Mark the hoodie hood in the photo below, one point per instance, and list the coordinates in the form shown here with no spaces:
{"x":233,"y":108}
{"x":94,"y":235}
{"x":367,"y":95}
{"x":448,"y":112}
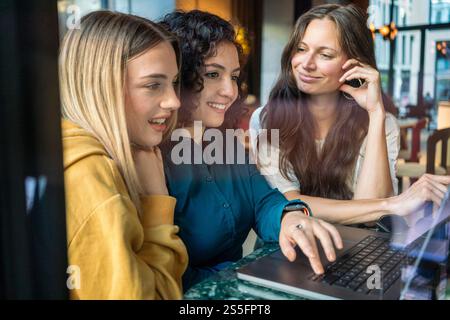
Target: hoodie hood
{"x":79,"y":144}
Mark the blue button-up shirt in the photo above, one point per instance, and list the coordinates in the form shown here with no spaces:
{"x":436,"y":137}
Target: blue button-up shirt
{"x":217,"y":206}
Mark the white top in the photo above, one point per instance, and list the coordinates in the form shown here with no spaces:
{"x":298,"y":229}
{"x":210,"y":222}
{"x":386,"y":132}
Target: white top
{"x":268,"y":158}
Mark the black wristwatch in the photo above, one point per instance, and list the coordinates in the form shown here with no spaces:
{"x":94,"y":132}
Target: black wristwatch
{"x":297,"y":206}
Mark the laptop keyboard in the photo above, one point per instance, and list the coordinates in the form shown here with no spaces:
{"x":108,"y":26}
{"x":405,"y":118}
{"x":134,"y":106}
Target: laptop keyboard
{"x":349,"y":270}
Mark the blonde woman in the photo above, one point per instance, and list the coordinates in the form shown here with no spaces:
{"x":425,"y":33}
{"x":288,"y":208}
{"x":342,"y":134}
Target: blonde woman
{"x":118,"y":79}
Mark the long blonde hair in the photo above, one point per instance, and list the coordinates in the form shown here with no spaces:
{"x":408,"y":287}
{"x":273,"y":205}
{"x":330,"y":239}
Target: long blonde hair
{"x":92,"y":68}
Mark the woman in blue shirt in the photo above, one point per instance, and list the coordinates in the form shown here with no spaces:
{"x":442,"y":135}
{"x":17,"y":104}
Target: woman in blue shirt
{"x":220,"y":195}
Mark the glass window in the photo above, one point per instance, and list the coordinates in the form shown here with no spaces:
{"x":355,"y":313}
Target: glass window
{"x":437,"y":64}
{"x":411,"y":12}
{"x":440,"y":11}
{"x":404,"y":52}
{"x":443,"y":70}
{"x":379,"y":12}
{"x":416,"y":15}
{"x":382,"y":52}
{"x":406,"y":68}
{"x":150,"y":9}
{"x":70,"y":11}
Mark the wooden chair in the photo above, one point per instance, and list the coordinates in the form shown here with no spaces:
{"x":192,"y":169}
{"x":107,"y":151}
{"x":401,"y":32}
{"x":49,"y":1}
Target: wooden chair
{"x":413,"y":154}
{"x":442,"y":136}
{"x":415,"y":170}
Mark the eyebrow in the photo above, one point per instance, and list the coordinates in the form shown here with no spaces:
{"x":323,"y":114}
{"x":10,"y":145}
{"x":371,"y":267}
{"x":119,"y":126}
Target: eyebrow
{"x":218,"y":66}
{"x":321,"y":48}
{"x":155,"y":75}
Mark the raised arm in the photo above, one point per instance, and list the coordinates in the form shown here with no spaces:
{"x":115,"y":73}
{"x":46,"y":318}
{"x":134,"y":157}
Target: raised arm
{"x":374,"y":179}
{"x":376,"y":174}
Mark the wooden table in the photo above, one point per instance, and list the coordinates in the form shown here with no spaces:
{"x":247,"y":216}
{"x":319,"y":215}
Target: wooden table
{"x":407,"y":123}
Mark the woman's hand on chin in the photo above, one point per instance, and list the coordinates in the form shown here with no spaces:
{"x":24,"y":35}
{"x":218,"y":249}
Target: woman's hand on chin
{"x":150,"y":170}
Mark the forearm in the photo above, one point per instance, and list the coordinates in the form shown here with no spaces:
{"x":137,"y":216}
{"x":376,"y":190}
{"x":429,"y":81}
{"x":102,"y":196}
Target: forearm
{"x":374,"y":179}
{"x":344,"y":211}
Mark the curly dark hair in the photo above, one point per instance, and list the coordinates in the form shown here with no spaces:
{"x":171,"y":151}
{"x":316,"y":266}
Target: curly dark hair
{"x":199,"y":34}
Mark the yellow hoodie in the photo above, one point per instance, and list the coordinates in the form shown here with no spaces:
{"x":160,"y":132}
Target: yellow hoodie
{"x":117,"y":255}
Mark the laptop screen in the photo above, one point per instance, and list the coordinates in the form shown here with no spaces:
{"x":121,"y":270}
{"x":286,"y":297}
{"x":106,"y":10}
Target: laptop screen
{"x":421,"y":224}
{"x":425,"y":276}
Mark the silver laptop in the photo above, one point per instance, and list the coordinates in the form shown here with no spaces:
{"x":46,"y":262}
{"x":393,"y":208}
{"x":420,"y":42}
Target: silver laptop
{"x":371,"y":266}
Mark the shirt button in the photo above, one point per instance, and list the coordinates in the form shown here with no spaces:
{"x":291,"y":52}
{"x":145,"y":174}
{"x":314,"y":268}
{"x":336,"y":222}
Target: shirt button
{"x":209,"y":179}
{"x":226,"y":205}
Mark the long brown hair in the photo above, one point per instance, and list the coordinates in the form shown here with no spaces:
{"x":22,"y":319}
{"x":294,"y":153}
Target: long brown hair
{"x":92,"y":66}
{"x":325,"y":174}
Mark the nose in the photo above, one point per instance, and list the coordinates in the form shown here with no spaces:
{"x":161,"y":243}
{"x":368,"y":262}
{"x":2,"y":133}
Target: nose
{"x":228,"y":88}
{"x":171,"y":101}
{"x":308,"y":62}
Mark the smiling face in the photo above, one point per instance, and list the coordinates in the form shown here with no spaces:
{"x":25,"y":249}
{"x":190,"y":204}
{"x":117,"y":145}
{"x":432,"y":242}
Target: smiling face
{"x":150,"y":97}
{"x":220,"y":87}
{"x":317,"y":64}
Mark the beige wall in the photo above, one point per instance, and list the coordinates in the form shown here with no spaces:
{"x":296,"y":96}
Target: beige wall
{"x":222,"y":8}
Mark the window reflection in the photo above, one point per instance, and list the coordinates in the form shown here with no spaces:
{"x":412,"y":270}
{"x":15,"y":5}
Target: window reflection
{"x":440,"y":11}
{"x":68,"y":10}
{"x":420,"y":71}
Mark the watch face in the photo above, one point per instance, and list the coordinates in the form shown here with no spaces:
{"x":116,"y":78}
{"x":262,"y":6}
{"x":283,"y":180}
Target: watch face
{"x":293,"y":207}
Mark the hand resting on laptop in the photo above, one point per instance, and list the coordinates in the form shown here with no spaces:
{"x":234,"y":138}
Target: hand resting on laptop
{"x":298,"y":229}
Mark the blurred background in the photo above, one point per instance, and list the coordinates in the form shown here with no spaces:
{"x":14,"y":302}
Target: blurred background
{"x":413,"y":58}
